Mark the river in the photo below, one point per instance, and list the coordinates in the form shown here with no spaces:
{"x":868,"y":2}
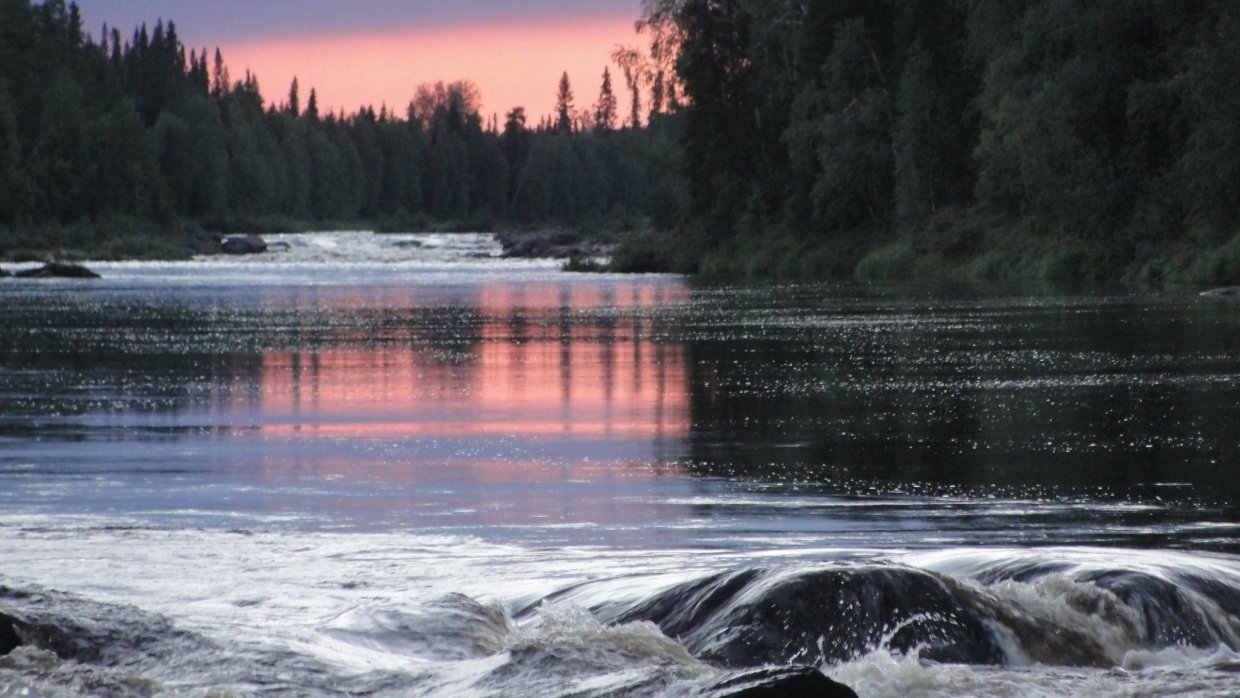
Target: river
{"x":400,"y":465}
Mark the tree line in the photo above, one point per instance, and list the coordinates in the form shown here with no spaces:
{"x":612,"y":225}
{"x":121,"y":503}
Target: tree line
{"x":102,"y":136}
{"x":1052,"y":138}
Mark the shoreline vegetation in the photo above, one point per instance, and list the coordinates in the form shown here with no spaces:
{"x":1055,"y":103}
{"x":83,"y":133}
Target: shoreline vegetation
{"x":1052,"y":142}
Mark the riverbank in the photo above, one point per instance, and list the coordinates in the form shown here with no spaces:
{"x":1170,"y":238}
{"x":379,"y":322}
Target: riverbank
{"x":957,"y":253}
{"x":961,"y":254}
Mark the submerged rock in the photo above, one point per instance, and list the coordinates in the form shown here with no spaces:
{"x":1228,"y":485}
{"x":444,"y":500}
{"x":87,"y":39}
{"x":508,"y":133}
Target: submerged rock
{"x":453,"y":628}
{"x":549,"y":245}
{"x":4,"y":273}
{"x":63,"y":644}
{"x":780,"y":682}
{"x":243,"y":244}
{"x":757,"y":617}
{"x":1226,"y":293}
{"x":57,"y":270}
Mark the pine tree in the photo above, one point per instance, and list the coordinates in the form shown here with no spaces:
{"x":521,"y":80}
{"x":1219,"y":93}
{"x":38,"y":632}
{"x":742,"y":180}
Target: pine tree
{"x":220,"y":84}
{"x":605,"y":109}
{"x":564,"y":106}
{"x":294,"y":98}
{"x":312,"y":106}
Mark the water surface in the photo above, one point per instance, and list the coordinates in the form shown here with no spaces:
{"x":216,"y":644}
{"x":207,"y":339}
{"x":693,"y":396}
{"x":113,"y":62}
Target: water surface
{"x":299,"y":456}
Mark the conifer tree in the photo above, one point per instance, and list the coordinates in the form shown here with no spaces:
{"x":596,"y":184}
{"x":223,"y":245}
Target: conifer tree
{"x":220,"y":84}
{"x":564,"y":106}
{"x":312,"y":106}
{"x":294,"y":99}
{"x":605,"y":109}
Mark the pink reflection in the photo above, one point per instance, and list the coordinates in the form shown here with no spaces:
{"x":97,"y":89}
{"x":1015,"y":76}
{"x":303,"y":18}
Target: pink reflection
{"x":533,"y":370}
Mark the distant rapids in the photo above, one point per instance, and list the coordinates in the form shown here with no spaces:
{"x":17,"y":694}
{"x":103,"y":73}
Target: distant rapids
{"x":367,"y":247}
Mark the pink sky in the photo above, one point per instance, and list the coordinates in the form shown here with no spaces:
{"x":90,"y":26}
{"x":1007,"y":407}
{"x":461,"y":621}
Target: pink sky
{"x":514,"y":64}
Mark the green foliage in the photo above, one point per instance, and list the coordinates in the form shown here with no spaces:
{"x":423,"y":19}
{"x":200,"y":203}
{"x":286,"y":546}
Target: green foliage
{"x":1218,"y":267}
{"x":653,"y":253}
{"x":1065,"y":140}
{"x":895,"y":262}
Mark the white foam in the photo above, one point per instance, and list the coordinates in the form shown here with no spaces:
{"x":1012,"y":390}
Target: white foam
{"x":361,"y":603}
{"x":1176,"y":672}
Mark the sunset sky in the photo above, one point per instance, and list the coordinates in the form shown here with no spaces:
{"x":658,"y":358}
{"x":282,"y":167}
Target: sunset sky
{"x":377,"y":51}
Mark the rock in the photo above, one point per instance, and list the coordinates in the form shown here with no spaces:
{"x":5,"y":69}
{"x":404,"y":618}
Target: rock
{"x":752,"y":618}
{"x":279,"y":246}
{"x":780,"y":682}
{"x":243,"y":244}
{"x":57,"y":270}
{"x":16,"y":632}
{"x":543,"y":245}
{"x":1226,"y":293}
{"x":4,"y":273}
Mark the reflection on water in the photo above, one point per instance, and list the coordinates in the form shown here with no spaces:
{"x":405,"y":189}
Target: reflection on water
{"x":941,"y":396}
{"x":638,"y":408}
{"x":519,"y":363}
{"x":492,"y":404}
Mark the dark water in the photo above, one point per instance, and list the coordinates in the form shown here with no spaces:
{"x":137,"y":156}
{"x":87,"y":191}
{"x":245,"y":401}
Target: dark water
{"x":513,"y":433}
{"x":1109,"y":419}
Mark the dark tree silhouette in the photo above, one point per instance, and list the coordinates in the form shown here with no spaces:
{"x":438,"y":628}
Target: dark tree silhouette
{"x":564,"y":105}
{"x":606,"y":109}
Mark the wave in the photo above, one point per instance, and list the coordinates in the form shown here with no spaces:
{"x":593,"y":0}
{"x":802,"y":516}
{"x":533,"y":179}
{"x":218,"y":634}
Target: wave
{"x":1012,"y":614}
{"x":370,"y":247}
{"x":971,"y":622}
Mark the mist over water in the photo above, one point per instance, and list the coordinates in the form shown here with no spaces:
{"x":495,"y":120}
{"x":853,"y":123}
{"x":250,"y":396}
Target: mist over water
{"x":399,"y":464}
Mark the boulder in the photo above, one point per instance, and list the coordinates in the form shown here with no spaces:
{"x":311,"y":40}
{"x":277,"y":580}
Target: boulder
{"x":1226,"y":293}
{"x":757,"y":617}
{"x":549,"y":245}
{"x":4,"y":273}
{"x":57,"y":270}
{"x":780,"y":682}
{"x":243,"y":244}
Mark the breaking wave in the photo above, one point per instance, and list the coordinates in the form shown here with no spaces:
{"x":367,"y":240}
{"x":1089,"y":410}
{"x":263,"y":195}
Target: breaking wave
{"x":961,"y":623}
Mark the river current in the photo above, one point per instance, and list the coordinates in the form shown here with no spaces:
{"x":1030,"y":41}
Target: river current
{"x":401,"y":465}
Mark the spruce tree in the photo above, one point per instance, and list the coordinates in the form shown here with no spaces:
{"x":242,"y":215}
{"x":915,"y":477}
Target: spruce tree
{"x":294,"y":99}
{"x":312,"y":106}
{"x":220,"y":80}
{"x":605,"y":110}
{"x":564,"y":106}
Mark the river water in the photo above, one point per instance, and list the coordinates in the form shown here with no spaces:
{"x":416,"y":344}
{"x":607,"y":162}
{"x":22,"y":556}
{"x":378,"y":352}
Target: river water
{"x":398,"y":465}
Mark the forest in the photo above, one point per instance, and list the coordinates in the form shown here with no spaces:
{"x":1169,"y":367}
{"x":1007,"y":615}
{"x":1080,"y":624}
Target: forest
{"x":1056,"y":140}
{"x":130,"y":146}
{"x":1062,"y":140}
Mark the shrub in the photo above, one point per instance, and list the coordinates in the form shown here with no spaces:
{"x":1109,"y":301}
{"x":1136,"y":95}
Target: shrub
{"x":1217,"y":267}
{"x":889,"y":263}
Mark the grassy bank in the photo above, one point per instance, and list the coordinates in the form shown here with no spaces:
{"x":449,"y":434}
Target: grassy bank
{"x":112,"y":238}
{"x":973,"y":253}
